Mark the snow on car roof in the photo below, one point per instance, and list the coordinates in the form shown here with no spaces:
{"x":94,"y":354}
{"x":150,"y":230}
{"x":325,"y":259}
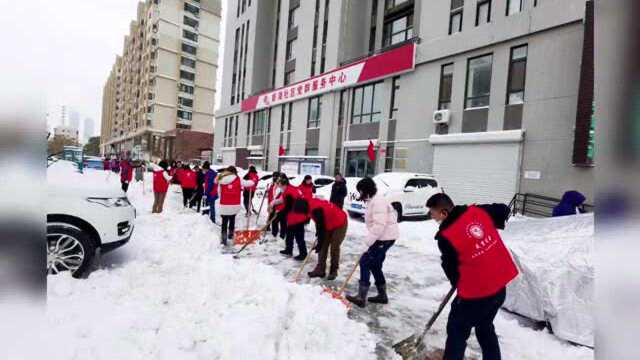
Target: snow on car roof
{"x":398,"y":179}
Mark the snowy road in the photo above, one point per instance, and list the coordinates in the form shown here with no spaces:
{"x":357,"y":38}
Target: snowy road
{"x":170,"y":294}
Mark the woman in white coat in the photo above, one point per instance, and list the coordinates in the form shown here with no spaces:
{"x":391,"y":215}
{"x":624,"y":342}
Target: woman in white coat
{"x":381,"y":220}
{"x":231,"y":186}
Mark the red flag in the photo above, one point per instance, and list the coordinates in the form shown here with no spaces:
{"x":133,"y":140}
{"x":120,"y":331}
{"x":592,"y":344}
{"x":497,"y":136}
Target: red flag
{"x":371,"y":151}
{"x":281,"y":151}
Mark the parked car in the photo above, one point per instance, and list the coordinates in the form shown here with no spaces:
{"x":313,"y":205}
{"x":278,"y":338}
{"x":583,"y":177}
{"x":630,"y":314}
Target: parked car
{"x":83,"y":217}
{"x":408,"y":193}
{"x":93,"y":162}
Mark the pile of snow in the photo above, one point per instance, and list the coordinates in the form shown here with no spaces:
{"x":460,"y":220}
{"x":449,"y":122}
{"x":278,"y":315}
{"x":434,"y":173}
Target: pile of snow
{"x":177,"y":297}
{"x":556,"y":282}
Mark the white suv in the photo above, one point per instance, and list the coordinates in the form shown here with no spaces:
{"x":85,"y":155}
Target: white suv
{"x":408,"y":193}
{"x":83,"y":215}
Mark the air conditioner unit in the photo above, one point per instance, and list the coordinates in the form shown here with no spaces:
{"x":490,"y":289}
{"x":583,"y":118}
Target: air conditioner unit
{"x":441,"y":116}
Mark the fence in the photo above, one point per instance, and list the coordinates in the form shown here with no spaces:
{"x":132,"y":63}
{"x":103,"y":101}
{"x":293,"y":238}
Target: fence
{"x":536,"y":205}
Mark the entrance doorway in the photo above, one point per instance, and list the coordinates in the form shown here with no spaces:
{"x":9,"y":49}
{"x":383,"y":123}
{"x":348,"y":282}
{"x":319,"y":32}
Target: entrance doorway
{"x":359,"y":165}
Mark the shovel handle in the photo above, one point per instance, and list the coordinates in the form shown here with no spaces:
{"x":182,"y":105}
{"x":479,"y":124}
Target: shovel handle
{"x":355,"y":266}
{"x":435,"y":315}
{"x":305,"y":262}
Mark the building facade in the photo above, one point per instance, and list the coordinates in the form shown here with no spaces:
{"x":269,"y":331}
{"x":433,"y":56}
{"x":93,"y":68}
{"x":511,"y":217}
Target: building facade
{"x":65,"y":131}
{"x":160,"y":92}
{"x":493,"y":97}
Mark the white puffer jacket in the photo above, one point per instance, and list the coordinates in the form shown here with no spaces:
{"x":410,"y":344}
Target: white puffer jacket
{"x":381,"y":220}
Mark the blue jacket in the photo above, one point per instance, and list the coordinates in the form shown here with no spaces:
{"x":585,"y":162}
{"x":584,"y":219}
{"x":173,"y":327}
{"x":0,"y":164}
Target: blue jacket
{"x":210,"y":177}
{"x":570,"y":201}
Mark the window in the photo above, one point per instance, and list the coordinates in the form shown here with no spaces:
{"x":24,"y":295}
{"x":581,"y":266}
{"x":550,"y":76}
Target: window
{"x":455,"y":18}
{"x":189,"y":49}
{"x":191,"y":9}
{"x":313,"y":112}
{"x":186,"y":88}
{"x":185,"y":102}
{"x":259,"y":122}
{"x":478,"y":81}
{"x":325,"y":28}
{"x":374,"y":21}
{"x":483,"y":12}
{"x":188,"y":62}
{"x":446,"y":83}
{"x":517,"y":75}
{"x":292,"y":18}
{"x":189,"y":21}
{"x":275,"y":47}
{"x":190,"y":35}
{"x":395,"y":86}
{"x":398,"y":30}
{"x":235,"y":67}
{"x":516,"y":6}
{"x":367,"y":104}
{"x":291,"y":44}
{"x":184,"y":115}
{"x":390,"y":4}
{"x":289,"y":77}
{"x":244,"y":66}
{"x":422,"y":183}
{"x":285,"y":125}
{"x":187,"y":75}
{"x":314,"y":47}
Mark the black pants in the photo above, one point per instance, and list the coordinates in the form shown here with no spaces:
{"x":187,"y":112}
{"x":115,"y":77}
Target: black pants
{"x":186,"y":196}
{"x":197,"y":200}
{"x":125,"y":186}
{"x":371,"y":263}
{"x":246,"y":197}
{"x":279,"y":224}
{"x":478,"y":314}
{"x":296,"y":231}
{"x":228,"y":223}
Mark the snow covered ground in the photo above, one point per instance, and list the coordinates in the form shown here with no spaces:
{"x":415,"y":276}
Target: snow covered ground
{"x":171,"y":294}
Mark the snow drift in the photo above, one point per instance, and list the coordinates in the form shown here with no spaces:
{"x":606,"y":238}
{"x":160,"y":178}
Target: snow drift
{"x":556,"y":281}
{"x":177,"y":297}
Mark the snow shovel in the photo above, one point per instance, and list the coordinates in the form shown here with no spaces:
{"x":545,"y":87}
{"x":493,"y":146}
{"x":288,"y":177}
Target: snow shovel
{"x":339,"y":294}
{"x":248,"y":237}
{"x":413,"y":346}
{"x":295,"y":280}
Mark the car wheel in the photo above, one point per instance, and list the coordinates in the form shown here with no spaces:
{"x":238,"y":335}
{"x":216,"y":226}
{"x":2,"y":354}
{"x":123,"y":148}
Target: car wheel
{"x":398,"y":209}
{"x":68,"y":249}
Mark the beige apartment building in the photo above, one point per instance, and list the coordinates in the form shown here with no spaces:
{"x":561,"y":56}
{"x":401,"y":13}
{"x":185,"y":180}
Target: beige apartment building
{"x":159,"y":97}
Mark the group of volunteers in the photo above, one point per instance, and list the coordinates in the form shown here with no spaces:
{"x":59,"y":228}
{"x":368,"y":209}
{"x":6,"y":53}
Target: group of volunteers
{"x":474,"y":258}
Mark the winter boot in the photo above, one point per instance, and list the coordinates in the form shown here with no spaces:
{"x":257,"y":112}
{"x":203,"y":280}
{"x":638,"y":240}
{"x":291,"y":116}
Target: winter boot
{"x":300,"y":257}
{"x":317,"y":272}
{"x":361,"y":298}
{"x":381,"y":298}
{"x":286,"y":252}
{"x":333,"y":274}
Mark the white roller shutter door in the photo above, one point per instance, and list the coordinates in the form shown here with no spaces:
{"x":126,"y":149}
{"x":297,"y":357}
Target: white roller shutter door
{"x":478,"y":167}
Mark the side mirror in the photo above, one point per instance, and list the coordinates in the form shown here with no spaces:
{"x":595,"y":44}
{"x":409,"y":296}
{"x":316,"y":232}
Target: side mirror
{"x":409,"y":189}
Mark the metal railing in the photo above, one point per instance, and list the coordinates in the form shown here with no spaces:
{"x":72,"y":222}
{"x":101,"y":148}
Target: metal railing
{"x":536,"y":205}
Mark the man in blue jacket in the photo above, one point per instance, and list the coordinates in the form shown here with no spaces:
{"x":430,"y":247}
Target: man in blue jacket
{"x":210,"y":188}
{"x":571,"y":204}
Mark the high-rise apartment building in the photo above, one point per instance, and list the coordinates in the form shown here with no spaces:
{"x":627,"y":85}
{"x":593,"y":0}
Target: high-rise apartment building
{"x":159,"y":97}
{"x":494,"y":97}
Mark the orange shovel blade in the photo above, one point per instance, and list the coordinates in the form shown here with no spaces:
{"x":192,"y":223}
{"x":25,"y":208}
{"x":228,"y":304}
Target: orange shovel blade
{"x":337,"y":295}
{"x":244,"y":237}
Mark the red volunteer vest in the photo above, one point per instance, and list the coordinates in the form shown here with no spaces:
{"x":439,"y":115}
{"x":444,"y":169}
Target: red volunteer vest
{"x":188,"y":179}
{"x":253,"y":177}
{"x":231,"y":194}
{"x":334,"y":217}
{"x":307,"y":190}
{"x":485,"y":264}
{"x":160,"y":185}
{"x":292,"y":217}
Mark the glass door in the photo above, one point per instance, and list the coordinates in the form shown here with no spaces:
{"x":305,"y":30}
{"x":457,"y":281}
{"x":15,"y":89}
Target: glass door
{"x":359,"y":165}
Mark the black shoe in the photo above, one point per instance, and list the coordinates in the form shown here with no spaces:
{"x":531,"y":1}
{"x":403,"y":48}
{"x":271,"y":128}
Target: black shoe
{"x":381,"y":298}
{"x":361,"y":299}
{"x":300,"y":257}
{"x":332,"y":276}
{"x":230,"y":236}
{"x":286,"y":253}
{"x":317,"y":272}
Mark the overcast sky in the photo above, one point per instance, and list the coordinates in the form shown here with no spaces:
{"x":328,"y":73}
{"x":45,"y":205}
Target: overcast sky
{"x":63,"y":50}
